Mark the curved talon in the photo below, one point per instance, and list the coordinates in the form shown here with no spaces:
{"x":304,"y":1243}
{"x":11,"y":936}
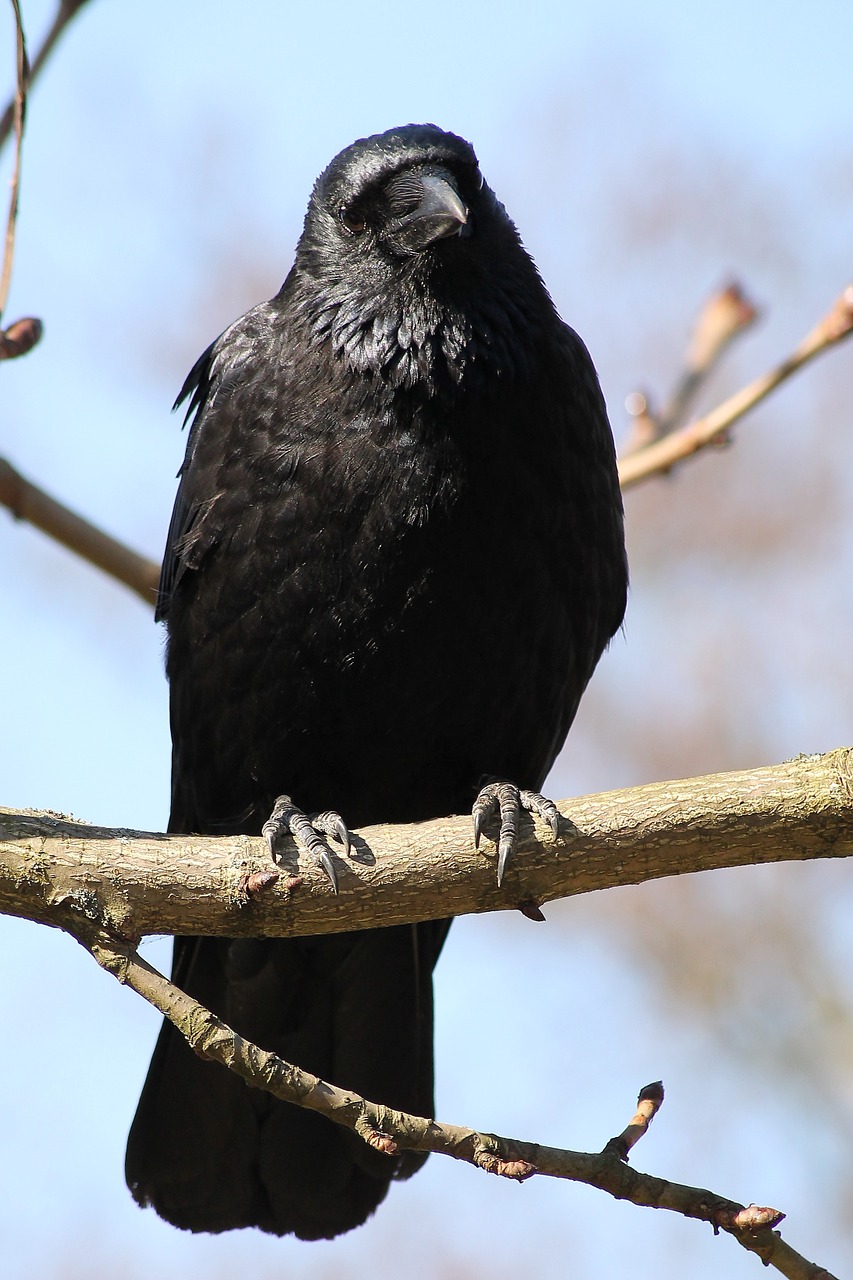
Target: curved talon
{"x":509,"y":800}
{"x":319,"y":853}
{"x":287,"y":819}
{"x":332,"y":824}
{"x":325,"y":863}
{"x":277,"y":822}
{"x":342,"y":832}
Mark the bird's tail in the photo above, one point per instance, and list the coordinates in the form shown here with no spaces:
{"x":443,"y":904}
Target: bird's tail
{"x":210,"y":1154}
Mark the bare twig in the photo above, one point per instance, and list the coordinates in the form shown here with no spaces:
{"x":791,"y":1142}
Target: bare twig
{"x":66,"y":11}
{"x":663,"y":454}
{"x":649,"y":1104}
{"x":19,"y":107}
{"x":138,"y":883}
{"x":387,"y":1130}
{"x":645,"y":425}
{"x":27,"y":502}
{"x":724,"y":316}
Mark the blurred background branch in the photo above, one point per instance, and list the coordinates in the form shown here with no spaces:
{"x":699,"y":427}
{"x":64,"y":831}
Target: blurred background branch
{"x":726,"y":314}
{"x":660,"y":455}
{"x":64,"y":13}
{"x":18,"y":113}
{"x":27,"y":501}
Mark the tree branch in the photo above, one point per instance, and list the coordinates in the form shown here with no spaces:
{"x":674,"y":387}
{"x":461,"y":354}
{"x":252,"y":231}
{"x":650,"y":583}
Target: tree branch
{"x":386,"y":1130}
{"x":65,"y":12}
{"x":27,"y":502}
{"x":661,"y":455}
{"x":18,"y":110}
{"x":135,"y":883}
{"x":722,"y":318}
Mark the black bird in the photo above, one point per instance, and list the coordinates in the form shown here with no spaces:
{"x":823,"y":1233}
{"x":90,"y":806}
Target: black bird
{"x":395,"y":558}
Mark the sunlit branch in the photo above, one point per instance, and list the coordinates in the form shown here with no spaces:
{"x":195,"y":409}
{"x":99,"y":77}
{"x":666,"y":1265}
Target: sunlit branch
{"x":661,"y":455}
{"x":140,"y":883}
{"x":387,"y":1130}
{"x":27,"y":502}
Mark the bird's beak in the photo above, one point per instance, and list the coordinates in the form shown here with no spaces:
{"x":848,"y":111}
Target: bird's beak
{"x":440,"y":213}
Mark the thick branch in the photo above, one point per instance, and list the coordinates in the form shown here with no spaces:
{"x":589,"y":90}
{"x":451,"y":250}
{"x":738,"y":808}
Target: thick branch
{"x":386,"y":1130}
{"x":139,"y":883}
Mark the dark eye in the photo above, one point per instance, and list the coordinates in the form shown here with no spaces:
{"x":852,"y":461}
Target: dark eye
{"x":352,"y":220}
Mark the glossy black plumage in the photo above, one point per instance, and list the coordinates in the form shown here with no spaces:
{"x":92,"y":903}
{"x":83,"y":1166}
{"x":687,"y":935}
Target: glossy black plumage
{"x":395,"y":558}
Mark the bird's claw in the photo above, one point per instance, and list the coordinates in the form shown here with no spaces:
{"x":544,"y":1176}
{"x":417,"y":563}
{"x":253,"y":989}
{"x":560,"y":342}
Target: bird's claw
{"x":308,"y":831}
{"x":508,"y":801}
{"x":332,"y":824}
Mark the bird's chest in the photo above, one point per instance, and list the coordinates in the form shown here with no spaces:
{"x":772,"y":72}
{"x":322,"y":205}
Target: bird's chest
{"x":420,"y":527}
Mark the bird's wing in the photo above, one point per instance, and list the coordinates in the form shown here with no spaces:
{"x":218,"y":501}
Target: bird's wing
{"x":229,"y":363}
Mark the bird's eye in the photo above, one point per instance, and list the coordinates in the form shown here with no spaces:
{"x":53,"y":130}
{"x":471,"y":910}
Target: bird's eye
{"x":352,"y":220}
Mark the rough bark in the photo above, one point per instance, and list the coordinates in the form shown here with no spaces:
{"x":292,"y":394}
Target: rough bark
{"x":54,"y":868}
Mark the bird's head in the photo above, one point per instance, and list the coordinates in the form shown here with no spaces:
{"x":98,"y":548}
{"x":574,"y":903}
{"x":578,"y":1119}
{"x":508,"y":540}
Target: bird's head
{"x":393,"y":196}
{"x":409,"y":264}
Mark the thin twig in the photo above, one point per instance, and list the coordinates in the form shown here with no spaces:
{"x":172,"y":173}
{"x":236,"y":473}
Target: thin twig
{"x":387,"y":1130}
{"x":27,"y":502}
{"x":66,"y":11}
{"x":649,"y":1104}
{"x":723,"y":317}
{"x":19,"y":108}
{"x":663,"y":454}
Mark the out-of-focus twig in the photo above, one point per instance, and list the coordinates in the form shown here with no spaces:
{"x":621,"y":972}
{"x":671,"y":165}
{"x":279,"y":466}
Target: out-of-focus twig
{"x":19,"y":109}
{"x":663,"y":454}
{"x":66,"y":11}
{"x":725,"y":315}
{"x":645,"y":423}
{"x":723,"y":318}
{"x":27,"y":502}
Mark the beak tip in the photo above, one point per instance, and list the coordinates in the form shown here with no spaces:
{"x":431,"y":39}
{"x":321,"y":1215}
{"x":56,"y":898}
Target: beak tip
{"x":440,"y":215}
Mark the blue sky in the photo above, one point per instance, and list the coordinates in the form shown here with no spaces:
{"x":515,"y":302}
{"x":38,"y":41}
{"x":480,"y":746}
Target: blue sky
{"x":169,"y":156}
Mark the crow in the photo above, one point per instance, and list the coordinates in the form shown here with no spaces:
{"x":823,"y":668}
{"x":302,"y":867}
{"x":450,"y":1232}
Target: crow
{"x":395,"y":558}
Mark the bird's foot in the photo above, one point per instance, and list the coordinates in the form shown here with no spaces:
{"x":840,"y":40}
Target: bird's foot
{"x":508,"y":801}
{"x":308,"y":831}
